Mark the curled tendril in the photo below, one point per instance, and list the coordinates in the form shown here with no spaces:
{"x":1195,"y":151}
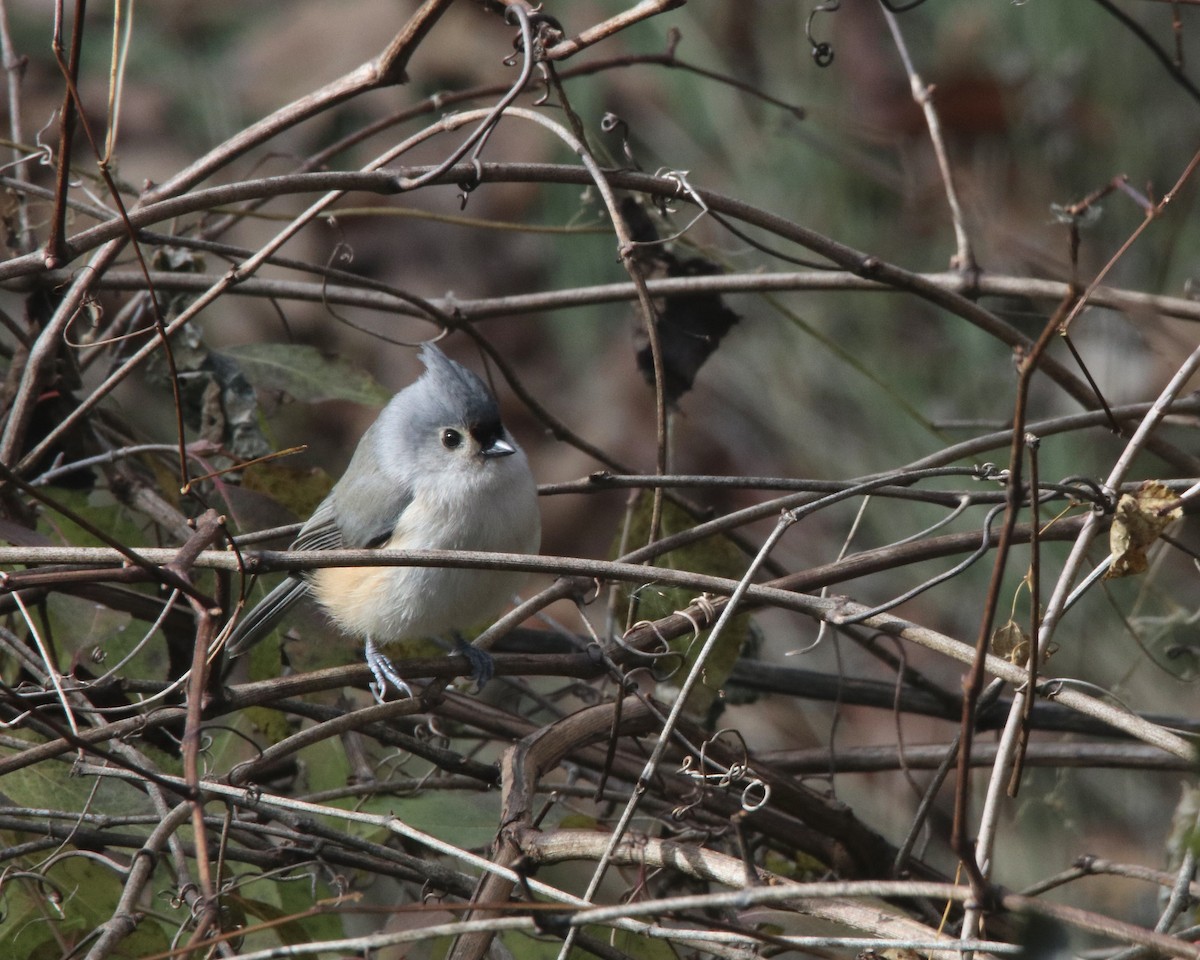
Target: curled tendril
{"x":1101,"y":497}
{"x":707,"y":607}
{"x":544,"y":70}
{"x":664,"y":645}
{"x":396,"y":763}
{"x":682,"y":810}
{"x":663,"y":204}
{"x":339,"y":883}
{"x":428,"y":732}
{"x":611,"y":123}
{"x":343,"y":251}
{"x":657,"y":671}
{"x":755,"y":793}
{"x":543,"y":31}
{"x":696,"y":628}
{"x":45,"y":152}
{"x":989,"y":471}
{"x":253,"y":794}
{"x":901,"y":7}
{"x":822,"y":52}
{"x":749,"y":801}
{"x":46,"y":887}
{"x":468,"y":186}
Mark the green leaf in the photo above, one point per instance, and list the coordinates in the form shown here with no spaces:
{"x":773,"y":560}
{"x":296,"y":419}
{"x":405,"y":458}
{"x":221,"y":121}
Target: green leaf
{"x":465,"y":818}
{"x":326,"y":924}
{"x":1171,"y":641}
{"x":716,"y":556}
{"x":99,"y":638}
{"x":306,"y":374}
{"x":49,"y":919}
{"x":98,"y":508}
{"x":287,"y":924}
{"x":51,"y":783}
{"x":286,"y":906}
{"x":326,"y":767}
{"x":299,"y":490}
{"x":270,"y":725}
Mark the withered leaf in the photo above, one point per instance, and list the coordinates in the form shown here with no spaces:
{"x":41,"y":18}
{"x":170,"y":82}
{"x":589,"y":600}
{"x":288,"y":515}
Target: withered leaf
{"x":690,"y":326}
{"x":1011,"y":642}
{"x":1140,"y":519}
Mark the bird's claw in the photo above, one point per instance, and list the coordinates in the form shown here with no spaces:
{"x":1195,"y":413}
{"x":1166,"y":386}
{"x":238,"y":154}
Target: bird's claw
{"x":384,"y":673}
{"x":483,"y":667}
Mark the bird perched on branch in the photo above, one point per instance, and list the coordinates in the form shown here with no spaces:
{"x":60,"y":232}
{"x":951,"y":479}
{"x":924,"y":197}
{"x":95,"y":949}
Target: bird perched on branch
{"x":435,"y":471}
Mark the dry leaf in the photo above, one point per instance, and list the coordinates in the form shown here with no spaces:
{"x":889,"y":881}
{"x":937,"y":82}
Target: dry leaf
{"x":1011,"y":642}
{"x":1140,"y":519}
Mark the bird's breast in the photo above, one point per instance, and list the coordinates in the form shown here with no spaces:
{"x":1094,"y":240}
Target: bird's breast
{"x":398,"y":603}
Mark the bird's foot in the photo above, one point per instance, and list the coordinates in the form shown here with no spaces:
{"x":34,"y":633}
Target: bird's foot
{"x":384,"y":673}
{"x":483,"y":667}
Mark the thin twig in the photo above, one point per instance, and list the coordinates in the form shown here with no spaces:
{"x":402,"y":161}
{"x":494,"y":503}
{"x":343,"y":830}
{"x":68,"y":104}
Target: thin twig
{"x":14,"y":72}
{"x":964,"y":257}
{"x":357,"y":291}
{"x":385,"y":70}
{"x":615,"y":24}
{"x":973,"y":857}
{"x":68,"y":113}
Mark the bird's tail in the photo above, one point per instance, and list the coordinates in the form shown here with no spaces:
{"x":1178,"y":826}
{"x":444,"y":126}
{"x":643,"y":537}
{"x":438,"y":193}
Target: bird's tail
{"x":262,"y":618}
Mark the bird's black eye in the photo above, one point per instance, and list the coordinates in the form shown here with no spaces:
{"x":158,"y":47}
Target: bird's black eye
{"x":451,"y":439}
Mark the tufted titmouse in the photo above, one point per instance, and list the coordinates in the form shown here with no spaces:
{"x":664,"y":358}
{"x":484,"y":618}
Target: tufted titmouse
{"x":436,"y":470}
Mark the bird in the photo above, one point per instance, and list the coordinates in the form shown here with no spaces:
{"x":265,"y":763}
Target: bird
{"x":437,"y":470}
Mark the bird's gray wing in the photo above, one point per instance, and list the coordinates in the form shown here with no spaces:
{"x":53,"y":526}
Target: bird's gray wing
{"x":365,"y":505}
{"x":378,"y":504}
{"x":320,"y":532}
{"x":263,"y":617}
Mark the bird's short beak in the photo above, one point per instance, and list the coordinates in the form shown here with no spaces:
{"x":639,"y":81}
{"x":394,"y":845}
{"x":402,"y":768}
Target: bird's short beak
{"x":498,"y":448}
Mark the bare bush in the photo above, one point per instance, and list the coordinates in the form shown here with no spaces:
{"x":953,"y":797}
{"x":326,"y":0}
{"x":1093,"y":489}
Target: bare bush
{"x":908,"y":395}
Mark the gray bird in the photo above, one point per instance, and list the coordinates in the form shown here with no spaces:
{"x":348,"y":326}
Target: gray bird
{"x":435,"y":471}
